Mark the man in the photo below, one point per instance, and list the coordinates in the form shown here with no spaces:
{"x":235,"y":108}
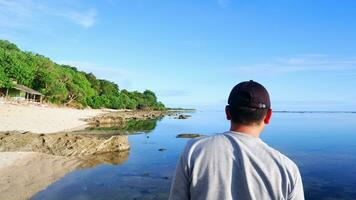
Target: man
{"x":237,"y":164}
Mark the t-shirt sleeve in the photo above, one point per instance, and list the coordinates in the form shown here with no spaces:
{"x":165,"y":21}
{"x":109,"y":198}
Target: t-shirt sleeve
{"x":180,"y":188}
{"x":297,"y":192}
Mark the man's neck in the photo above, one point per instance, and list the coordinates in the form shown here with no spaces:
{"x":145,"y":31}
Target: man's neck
{"x":252,"y":130}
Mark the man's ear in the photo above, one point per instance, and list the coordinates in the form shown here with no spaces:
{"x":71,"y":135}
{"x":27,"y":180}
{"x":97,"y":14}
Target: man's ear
{"x":268,"y":116}
{"x":227,"y":111}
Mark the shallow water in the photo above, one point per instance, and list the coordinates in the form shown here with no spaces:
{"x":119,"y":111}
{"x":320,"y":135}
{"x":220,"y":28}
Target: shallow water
{"x":322,"y":144}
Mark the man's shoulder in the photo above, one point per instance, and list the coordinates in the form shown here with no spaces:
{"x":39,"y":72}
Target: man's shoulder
{"x":290,"y":169}
{"x":288,"y":163}
{"x":217,"y":138}
{"x":206,"y":143}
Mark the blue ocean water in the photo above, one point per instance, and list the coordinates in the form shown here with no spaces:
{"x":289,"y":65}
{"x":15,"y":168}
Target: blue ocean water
{"x":322,"y":144}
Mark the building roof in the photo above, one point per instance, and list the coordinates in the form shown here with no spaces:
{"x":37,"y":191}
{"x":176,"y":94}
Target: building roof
{"x":27,"y":89}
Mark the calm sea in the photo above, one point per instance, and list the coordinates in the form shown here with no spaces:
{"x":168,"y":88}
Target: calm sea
{"x":322,"y":144}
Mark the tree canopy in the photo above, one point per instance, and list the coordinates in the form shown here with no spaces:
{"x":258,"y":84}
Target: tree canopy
{"x":64,"y":84}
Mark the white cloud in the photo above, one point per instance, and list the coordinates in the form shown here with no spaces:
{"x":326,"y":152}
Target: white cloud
{"x":14,"y":13}
{"x":223,"y":3}
{"x":302,"y":63}
{"x":85,"y":18}
{"x":122,"y":77}
{"x":30,"y":14}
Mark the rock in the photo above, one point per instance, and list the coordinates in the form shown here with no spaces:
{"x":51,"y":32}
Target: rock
{"x":114,"y":143}
{"x":118,"y":118}
{"x":188,"y":135}
{"x":63,"y":144}
{"x":182,"y":117}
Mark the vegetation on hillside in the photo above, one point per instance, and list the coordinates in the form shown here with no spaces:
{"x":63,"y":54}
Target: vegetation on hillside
{"x":63,"y":84}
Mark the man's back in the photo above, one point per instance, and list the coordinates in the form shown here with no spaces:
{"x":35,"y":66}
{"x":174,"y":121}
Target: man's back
{"x":234,"y":165}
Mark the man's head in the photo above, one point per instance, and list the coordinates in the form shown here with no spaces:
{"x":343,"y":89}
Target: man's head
{"x":249,"y":105}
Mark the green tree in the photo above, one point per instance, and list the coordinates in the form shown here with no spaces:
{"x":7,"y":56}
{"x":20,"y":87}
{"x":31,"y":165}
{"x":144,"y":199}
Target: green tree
{"x":4,"y":44}
{"x":4,"y":80}
{"x":78,"y":87}
{"x":64,"y":84}
{"x":108,"y":88}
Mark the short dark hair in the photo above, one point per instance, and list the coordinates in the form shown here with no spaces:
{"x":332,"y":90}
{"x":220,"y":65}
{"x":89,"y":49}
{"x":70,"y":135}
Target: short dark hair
{"x":247,"y":115}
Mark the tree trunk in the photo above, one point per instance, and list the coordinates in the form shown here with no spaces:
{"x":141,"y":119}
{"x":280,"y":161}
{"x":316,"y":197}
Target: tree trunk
{"x":71,"y":98}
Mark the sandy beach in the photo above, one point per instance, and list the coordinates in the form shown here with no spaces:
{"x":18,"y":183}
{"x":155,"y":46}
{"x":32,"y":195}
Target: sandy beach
{"x":22,"y":174}
{"x":39,"y":119}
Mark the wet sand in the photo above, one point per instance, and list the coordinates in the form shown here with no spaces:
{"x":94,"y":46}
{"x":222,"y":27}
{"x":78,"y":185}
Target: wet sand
{"x":26,"y":173}
{"x":29,"y":172}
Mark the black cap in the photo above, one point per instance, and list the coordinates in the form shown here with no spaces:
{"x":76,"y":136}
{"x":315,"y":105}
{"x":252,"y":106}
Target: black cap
{"x":249,"y":94}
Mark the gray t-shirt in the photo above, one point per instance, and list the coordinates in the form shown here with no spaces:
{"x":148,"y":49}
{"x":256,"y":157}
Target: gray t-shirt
{"x":234,"y":165}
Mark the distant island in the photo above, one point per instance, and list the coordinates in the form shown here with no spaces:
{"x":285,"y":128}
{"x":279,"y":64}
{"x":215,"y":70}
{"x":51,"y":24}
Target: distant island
{"x":27,"y":75}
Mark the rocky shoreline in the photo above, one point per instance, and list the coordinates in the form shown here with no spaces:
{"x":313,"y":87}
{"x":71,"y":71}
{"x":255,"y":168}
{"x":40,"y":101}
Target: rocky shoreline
{"x":119,"y":118}
{"x":77,"y":143}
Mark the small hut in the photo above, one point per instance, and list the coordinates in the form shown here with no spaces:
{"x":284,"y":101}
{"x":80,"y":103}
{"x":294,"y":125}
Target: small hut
{"x":21,"y":92}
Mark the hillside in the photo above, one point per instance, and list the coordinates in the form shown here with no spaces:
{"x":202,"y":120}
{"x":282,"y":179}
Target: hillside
{"x":63,"y":84}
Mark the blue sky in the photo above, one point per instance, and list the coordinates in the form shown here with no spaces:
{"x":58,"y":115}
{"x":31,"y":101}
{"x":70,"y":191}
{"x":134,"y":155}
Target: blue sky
{"x":192,"y":52}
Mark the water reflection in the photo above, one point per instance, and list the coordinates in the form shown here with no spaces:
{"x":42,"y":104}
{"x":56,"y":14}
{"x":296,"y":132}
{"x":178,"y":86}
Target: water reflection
{"x":113,"y":158}
{"x":85,"y":163}
{"x":40,"y":170}
{"x":325,"y":153}
{"x":130,"y":127}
